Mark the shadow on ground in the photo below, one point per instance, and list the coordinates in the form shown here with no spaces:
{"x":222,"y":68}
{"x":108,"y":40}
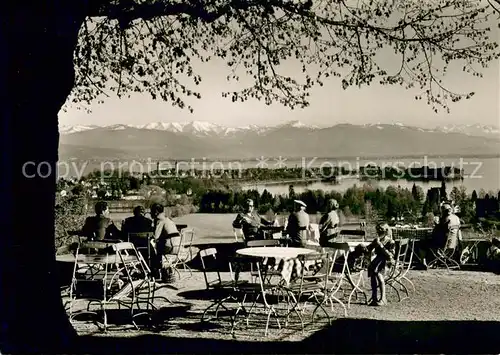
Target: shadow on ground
{"x":343,"y":336}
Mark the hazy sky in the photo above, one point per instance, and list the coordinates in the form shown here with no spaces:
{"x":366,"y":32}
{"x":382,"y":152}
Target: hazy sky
{"x":330,"y":104}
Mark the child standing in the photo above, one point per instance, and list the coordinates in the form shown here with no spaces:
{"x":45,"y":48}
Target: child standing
{"x":384,"y":247}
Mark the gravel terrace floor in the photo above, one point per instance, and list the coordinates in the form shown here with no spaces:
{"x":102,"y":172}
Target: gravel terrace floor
{"x":448,"y":310}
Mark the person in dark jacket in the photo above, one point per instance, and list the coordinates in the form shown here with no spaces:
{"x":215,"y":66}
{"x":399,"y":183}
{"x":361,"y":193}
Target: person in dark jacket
{"x":100,"y":226}
{"x":138,"y":223}
{"x":250,"y":222}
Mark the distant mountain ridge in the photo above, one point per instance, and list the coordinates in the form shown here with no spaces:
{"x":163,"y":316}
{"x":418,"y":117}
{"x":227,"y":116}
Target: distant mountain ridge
{"x":198,"y":139}
{"x":204,"y":128}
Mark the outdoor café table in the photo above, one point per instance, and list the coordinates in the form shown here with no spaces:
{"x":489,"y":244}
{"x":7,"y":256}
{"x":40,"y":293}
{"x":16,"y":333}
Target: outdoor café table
{"x":274,"y":252}
{"x":95,"y":259}
{"x":280,"y":253}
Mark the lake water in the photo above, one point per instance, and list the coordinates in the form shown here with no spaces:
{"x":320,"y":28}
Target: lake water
{"x":479,"y":172}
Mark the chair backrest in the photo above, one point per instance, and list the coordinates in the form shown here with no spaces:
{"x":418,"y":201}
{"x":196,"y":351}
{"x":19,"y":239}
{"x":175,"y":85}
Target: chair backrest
{"x":238,"y":233}
{"x":133,"y":269}
{"x":140,"y":240}
{"x":205,"y":253}
{"x":263,"y":243}
{"x":144,"y":235}
{"x":402,"y":248}
{"x":338,"y":254}
{"x":313,"y":232}
{"x":187,"y":237}
{"x":411,"y":233}
{"x":132,"y":261}
{"x":352,"y":233}
{"x":319,"y":269}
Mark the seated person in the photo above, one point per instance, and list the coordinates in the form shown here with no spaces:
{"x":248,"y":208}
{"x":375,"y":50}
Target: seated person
{"x":298,"y":225}
{"x":444,"y":236}
{"x":167,"y":239}
{"x":328,"y":224}
{"x":138,"y":223}
{"x":250,"y":222}
{"x":100,"y":226}
{"x":493,"y":255}
{"x":384,"y":248}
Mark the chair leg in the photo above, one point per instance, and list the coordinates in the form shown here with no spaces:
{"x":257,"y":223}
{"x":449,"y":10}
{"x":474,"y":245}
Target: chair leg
{"x":341,"y":303}
{"x":217,"y":304}
{"x":391,"y":284}
{"x":404,"y":288}
{"x":410,"y":282}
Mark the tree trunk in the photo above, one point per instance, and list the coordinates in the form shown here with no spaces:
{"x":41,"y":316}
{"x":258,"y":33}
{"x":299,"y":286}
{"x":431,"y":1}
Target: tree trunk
{"x":37,"y":41}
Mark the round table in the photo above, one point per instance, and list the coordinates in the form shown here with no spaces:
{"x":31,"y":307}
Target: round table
{"x":96,"y":259}
{"x":274,"y":252}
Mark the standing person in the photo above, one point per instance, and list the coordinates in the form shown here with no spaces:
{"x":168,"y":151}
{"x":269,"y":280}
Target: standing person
{"x":329,"y":223}
{"x":250,"y":222}
{"x":298,"y":225}
{"x":100,"y":226}
{"x":167,"y":239}
{"x":384,"y":247}
{"x":451,"y":227}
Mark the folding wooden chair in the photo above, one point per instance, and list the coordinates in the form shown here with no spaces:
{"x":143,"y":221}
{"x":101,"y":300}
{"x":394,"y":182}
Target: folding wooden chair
{"x":88,"y":271}
{"x":257,"y":290}
{"x":185,"y":254}
{"x":446,"y":256}
{"x":312,"y":283}
{"x":134,"y":276}
{"x":144,"y":243}
{"x":238,"y":234}
{"x":263,"y":243}
{"x":339,"y":255}
{"x":226,"y":287}
{"x":402,"y":264}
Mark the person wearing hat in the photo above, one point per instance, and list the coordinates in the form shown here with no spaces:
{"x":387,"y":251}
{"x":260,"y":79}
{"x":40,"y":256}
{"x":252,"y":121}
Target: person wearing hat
{"x":298,"y":225}
{"x":384,"y":247}
{"x":329,"y":223}
{"x":250,"y":222}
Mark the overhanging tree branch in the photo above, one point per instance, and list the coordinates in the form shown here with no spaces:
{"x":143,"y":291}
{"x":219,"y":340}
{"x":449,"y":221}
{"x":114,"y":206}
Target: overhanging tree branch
{"x":335,"y":38}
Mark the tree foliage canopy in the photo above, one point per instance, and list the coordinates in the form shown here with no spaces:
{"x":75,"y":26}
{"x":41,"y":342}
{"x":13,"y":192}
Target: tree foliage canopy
{"x":154,"y":46}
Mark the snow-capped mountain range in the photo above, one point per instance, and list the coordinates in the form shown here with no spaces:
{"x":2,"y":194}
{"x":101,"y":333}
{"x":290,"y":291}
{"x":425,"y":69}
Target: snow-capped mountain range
{"x":203,"y":128}
{"x":291,"y":139}
{"x":197,"y":128}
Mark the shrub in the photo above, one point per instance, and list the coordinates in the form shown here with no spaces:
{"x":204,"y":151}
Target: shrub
{"x":70,"y":214}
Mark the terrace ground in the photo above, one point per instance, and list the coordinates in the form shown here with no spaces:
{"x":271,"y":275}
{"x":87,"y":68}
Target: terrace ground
{"x":455,"y":311}
{"x":451,"y":311}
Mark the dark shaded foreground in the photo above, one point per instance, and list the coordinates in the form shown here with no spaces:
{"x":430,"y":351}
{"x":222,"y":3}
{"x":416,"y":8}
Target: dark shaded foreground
{"x":343,"y":336}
